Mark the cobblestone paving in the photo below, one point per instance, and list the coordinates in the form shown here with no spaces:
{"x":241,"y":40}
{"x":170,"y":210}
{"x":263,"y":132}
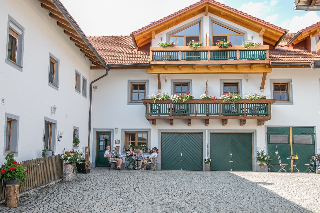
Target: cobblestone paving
{"x":177,"y":191}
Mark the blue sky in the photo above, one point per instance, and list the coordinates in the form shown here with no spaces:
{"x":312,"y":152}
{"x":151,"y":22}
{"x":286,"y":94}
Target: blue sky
{"x":121,"y":17}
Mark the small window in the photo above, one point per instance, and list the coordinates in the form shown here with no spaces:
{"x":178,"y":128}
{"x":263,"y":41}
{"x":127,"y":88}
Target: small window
{"x":182,"y":88}
{"x":279,"y":139}
{"x":138,"y":92}
{"x":77,"y":82}
{"x":76,"y":140}
{"x":302,"y":139}
{"x":11,"y":133}
{"x":281,"y":91}
{"x":137,"y":139}
{"x":231,"y":87}
{"x":15,"y":44}
{"x":49,"y":137}
{"x":84,"y":87}
{"x":53,"y":72}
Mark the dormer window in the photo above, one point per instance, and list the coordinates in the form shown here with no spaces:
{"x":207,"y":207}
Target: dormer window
{"x":186,"y":34}
{"x":220,"y":32}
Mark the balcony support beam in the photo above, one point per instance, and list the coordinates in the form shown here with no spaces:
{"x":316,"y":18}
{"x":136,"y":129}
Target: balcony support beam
{"x":260,"y":122}
{"x":263,"y":82}
{"x":171,"y":122}
{"x":224,"y":122}
{"x":154,"y":122}
{"x":189,"y":122}
{"x":206,"y":122}
{"x":243,"y":122}
{"x":159,"y":83}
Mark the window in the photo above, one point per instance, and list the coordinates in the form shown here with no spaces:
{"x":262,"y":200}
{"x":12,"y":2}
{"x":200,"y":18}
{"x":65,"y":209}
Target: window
{"x":187,"y":34}
{"x":77,"y":81}
{"x":137,"y":92}
{"x":231,"y":88}
{"x":11,"y":133}
{"x":220,"y":32}
{"x":14,"y":44}
{"x":84,"y":87}
{"x":50,"y":127}
{"x":181,"y":88}
{"x":139,"y":139}
{"x":53,"y":72}
{"x":281,"y":91}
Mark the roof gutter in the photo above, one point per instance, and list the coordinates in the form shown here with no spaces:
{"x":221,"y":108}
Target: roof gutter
{"x":294,"y":37}
{"x":289,"y":64}
{"x":66,"y":14}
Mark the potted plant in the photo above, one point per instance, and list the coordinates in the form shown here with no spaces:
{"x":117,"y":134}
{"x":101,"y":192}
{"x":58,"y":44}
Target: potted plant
{"x":223,"y":44}
{"x":168,"y":44}
{"x":231,"y":97}
{"x":160,"y":97}
{"x":76,"y":141}
{"x":207,"y":162}
{"x":12,"y":173}
{"x":263,"y":158}
{"x":317,"y":156}
{"x":46,"y":152}
{"x":248,"y":44}
{"x":207,"y":97}
{"x":195,"y":44}
{"x":254,"y":97}
{"x":70,"y":160}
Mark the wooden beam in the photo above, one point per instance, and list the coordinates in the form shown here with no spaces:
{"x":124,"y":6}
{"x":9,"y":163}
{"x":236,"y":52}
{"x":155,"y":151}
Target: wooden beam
{"x":316,"y":32}
{"x":224,"y":122}
{"x":214,"y":69}
{"x":189,"y":122}
{"x":60,"y":19}
{"x":206,"y":122}
{"x":97,"y":67}
{"x":260,"y":122}
{"x":71,"y":30}
{"x":262,"y":32}
{"x":80,"y":43}
{"x":159,"y":82}
{"x":171,"y":122}
{"x":48,"y":3}
{"x":153,"y":34}
{"x":206,"y":11}
{"x":82,"y":47}
{"x":263,"y":82}
{"x":154,"y":122}
{"x":243,"y":122}
{"x":50,"y":9}
{"x":74,"y":36}
{"x":313,"y":2}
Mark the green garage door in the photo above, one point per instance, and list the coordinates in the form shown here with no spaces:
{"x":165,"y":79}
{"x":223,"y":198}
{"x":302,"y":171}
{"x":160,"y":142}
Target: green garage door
{"x":231,"y":152}
{"x":181,"y":151}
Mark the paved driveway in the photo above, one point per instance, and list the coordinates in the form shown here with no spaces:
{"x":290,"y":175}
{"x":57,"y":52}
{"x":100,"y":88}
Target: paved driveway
{"x":177,"y":191}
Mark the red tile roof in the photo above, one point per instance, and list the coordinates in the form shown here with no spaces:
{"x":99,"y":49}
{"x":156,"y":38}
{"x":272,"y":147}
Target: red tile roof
{"x":118,"y":50}
{"x":218,"y":4}
{"x":285,"y":39}
{"x":292,"y":56}
{"x":310,"y":27}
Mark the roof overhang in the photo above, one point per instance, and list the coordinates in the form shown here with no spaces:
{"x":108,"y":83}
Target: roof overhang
{"x":64,"y":20}
{"x":271,"y":33}
{"x":308,"y":5}
{"x":301,"y":35}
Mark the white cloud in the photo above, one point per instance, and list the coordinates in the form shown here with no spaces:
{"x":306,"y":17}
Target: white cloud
{"x":300,"y":22}
{"x":256,"y":9}
{"x":221,"y":1}
{"x":273,"y":3}
{"x":272,"y":19}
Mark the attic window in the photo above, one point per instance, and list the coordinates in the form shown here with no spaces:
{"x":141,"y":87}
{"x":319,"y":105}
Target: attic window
{"x":186,"y":34}
{"x":220,"y":32}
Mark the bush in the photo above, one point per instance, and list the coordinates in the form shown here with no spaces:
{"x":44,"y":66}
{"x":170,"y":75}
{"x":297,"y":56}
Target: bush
{"x":12,"y":170}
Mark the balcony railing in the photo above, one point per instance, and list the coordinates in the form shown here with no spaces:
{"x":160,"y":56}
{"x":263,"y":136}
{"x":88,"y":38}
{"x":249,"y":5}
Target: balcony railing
{"x":209,"y":109}
{"x":209,"y":55}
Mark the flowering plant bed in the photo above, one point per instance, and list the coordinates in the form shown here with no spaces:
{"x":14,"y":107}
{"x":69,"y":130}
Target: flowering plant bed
{"x":195,"y":44}
{"x":168,"y":44}
{"x":248,"y":44}
{"x":160,"y":97}
{"x":72,"y":157}
{"x":178,"y":97}
{"x":12,"y":170}
{"x":207,"y":97}
{"x":224,"y":44}
{"x":232,"y":97}
{"x":254,"y":97}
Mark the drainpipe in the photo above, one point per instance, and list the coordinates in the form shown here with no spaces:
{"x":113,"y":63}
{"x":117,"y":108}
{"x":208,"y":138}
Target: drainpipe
{"x":90,"y":107}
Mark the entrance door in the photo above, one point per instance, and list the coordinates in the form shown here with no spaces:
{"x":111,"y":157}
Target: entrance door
{"x":231,"y":152}
{"x":181,"y":151}
{"x":103,"y":140}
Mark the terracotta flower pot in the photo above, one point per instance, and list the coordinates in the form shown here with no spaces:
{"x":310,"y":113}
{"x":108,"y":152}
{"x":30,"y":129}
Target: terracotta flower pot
{"x":261,"y":166}
{"x":207,"y":167}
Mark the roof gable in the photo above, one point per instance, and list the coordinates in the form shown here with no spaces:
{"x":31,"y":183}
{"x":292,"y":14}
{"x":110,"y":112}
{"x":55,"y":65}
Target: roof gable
{"x":301,"y":35}
{"x":271,"y":33}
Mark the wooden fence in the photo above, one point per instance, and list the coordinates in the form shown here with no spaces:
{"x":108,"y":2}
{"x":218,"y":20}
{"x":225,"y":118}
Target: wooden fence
{"x":40,"y":171}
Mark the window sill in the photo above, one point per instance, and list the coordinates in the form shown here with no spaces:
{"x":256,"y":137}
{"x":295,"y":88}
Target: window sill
{"x":53,"y":86}
{"x":85,"y":96}
{"x":135,"y":103}
{"x":14,"y":64}
{"x":283,"y":103}
{"x":77,"y":91}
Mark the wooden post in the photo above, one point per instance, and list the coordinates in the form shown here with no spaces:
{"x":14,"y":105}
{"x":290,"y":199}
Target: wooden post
{"x":12,"y":196}
{"x":238,"y":55}
{"x":207,"y":88}
{"x":159,"y":83}
{"x":291,"y":151}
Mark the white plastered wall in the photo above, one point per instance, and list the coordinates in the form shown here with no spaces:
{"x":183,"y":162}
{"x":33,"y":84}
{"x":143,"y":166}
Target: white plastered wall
{"x":27,"y":94}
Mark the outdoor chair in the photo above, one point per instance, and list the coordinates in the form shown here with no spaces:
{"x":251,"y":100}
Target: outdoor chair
{"x":310,"y":165}
{"x":282,"y":165}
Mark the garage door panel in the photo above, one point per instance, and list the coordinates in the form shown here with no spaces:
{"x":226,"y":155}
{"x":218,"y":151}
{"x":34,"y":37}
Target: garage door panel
{"x":239,"y":145}
{"x":192,"y":152}
{"x":241,"y":149}
{"x":220,"y":152}
{"x":189,"y":144}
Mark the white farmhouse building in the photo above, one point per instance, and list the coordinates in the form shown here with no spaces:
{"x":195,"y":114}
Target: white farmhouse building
{"x":185,"y":133}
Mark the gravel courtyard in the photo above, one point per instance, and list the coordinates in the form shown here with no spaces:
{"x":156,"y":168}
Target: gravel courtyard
{"x":177,"y":191}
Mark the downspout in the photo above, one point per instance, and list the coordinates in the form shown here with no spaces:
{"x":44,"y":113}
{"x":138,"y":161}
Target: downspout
{"x":90,"y":106}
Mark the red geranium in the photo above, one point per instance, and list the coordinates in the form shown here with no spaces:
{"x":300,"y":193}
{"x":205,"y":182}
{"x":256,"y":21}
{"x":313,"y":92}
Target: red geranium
{"x":3,"y":171}
{"x":12,"y":168}
{"x":14,"y":162}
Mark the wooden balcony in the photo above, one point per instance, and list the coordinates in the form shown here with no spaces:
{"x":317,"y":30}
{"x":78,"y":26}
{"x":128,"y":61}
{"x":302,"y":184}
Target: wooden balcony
{"x":209,"y":109}
{"x":207,"y":55}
